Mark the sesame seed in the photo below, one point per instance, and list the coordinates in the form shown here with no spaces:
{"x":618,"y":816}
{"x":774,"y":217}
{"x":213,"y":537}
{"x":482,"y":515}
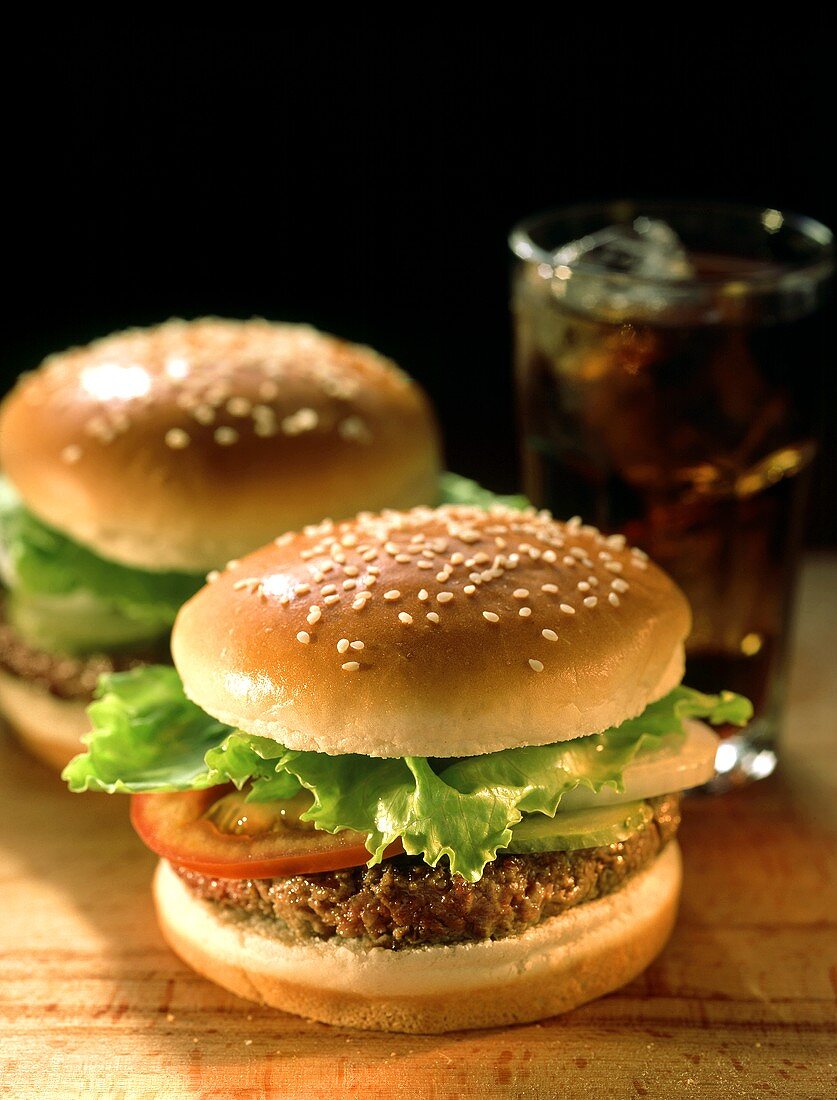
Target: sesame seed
{"x":536,"y":666}
{"x":550,"y":556}
{"x":552,"y":589}
{"x":349,"y":585}
{"x":469,"y":589}
{"x":239,"y":406}
{"x":583,"y":586}
{"x":302,"y":589}
{"x":443,"y":576}
{"x":358,"y":604}
{"x":403,"y":559}
{"x":329,"y":600}
{"x":71,"y":454}
{"x":358,"y":644}
{"x":204,"y":414}
{"x":405,"y":618}
{"x":525,"y":612}
{"x":350,"y":666}
{"x":423,"y":594}
{"x":303,"y":420}
{"x":637,"y":553}
{"x":613,"y":599}
{"x":232,"y":563}
{"x":351,"y":570}
{"x":424,"y":564}
{"x":457,"y":558}
{"x":619,"y":585}
{"x":593,"y":581}
{"x":432,"y":616}
{"x":550,"y":635}
{"x":520,"y":593}
{"x":393,"y":594}
{"x":177,"y":439}
{"x":245,"y":582}
{"x":314,"y":614}
{"x":492,"y":616}
{"x":342,"y":645}
{"x":212,"y":576}
{"x":328,"y":589}
{"x":567,"y":609}
{"x":225,"y":437}
{"x":304,"y":637}
{"x":444,"y":597}
{"x":590,"y":601}
{"x":568,"y":560}
{"x":613,"y":566}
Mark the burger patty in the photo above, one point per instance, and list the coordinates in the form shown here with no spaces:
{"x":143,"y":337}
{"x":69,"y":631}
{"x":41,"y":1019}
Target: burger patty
{"x":65,"y":677}
{"x":403,"y":902}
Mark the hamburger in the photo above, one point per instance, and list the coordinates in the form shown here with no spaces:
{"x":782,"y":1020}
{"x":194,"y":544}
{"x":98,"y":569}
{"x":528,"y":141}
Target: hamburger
{"x":135,"y":464}
{"x":416,"y":771}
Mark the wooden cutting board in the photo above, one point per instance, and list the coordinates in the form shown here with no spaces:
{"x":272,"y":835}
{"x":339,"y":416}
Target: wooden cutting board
{"x":742,"y":1002}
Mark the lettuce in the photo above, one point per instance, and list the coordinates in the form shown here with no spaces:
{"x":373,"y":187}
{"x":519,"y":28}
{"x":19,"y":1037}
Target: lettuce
{"x":455,"y":489}
{"x":59,"y":585}
{"x":147,"y":736}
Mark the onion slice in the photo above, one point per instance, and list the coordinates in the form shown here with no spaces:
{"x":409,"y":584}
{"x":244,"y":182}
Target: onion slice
{"x":676,"y":766}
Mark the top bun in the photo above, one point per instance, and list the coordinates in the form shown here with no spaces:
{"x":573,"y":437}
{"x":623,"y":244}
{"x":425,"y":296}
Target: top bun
{"x":439,"y":632}
{"x":184,"y":445}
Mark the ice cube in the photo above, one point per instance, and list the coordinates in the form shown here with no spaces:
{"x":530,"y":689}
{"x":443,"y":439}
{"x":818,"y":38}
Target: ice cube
{"x":648,"y":249}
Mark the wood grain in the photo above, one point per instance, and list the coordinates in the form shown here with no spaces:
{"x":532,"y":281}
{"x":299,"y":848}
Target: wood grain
{"x":741,"y":1003}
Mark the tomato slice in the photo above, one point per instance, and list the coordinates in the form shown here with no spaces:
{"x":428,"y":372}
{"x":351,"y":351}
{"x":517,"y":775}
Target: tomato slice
{"x":217,"y":832}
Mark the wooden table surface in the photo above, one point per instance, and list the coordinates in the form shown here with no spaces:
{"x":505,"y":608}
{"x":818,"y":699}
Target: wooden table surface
{"x":742,"y":1002}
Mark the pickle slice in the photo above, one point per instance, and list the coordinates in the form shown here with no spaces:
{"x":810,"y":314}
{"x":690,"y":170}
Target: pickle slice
{"x":567,"y":832}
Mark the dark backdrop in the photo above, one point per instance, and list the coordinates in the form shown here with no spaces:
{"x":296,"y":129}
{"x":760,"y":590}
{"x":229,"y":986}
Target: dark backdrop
{"x":363,"y":178}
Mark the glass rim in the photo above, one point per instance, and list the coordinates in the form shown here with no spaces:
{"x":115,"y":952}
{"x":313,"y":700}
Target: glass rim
{"x":525,"y":248}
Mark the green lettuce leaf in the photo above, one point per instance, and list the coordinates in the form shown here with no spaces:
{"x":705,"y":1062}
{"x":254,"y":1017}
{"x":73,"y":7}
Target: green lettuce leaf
{"x":148,"y":737}
{"x":455,"y":489}
{"x":145,"y":736}
{"x":48,"y":573}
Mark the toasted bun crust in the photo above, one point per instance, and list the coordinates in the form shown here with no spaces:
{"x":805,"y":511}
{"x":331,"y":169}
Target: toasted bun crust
{"x":50,"y":728}
{"x":551,"y":968}
{"x":445,"y":665}
{"x":181,"y":446}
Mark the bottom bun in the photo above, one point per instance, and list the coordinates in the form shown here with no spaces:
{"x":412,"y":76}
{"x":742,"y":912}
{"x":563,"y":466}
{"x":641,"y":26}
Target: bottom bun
{"x":553,"y":967}
{"x":49,"y":727}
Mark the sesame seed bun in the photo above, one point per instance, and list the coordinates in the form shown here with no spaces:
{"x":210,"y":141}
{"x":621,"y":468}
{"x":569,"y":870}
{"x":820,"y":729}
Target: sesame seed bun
{"x":553,"y":967}
{"x":184,"y":445}
{"x":436,"y":632}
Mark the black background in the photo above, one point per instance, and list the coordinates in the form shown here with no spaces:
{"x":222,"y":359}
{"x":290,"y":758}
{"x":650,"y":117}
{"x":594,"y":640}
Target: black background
{"x":363,"y":176}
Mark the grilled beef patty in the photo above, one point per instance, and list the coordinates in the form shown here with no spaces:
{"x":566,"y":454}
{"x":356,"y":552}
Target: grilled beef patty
{"x":71,"y":678}
{"x":403,"y":902}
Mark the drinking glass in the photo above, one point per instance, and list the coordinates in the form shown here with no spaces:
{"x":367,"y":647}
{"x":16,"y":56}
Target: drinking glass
{"x":668,"y":362}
